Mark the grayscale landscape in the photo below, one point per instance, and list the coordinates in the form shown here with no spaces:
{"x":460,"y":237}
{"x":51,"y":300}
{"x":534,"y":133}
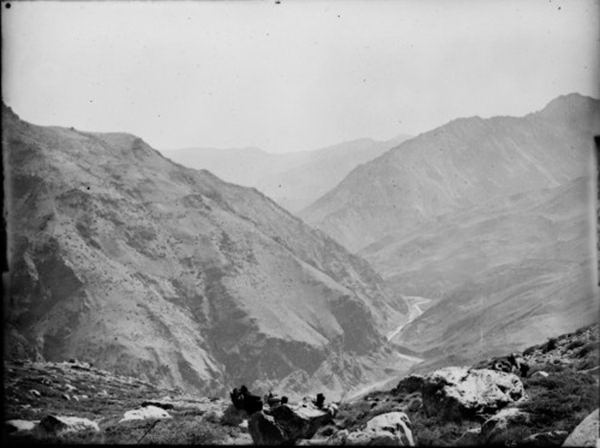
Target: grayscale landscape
{"x":325,"y":225}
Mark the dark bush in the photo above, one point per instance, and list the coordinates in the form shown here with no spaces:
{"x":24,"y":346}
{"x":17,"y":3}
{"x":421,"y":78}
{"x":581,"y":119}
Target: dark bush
{"x":576,"y":343}
{"x":550,"y":345}
{"x":587,"y":349}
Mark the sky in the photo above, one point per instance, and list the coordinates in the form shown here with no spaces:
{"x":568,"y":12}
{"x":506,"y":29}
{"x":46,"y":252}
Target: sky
{"x":293,"y":76}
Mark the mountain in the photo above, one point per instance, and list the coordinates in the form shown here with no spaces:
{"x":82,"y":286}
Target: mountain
{"x":120,"y":257}
{"x":489,"y":220}
{"x":293,"y":180}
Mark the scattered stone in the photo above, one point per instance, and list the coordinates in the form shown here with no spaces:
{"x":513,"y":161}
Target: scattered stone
{"x":457,"y":392}
{"x":147,"y":412}
{"x":586,"y":433}
{"x":15,"y":426}
{"x":540,"y":373}
{"x":59,"y":425}
{"x":66,"y":397}
{"x":70,"y":388}
{"x":35,"y":392}
{"x":545,"y":439}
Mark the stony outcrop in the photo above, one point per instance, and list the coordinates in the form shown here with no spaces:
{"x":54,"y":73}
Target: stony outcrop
{"x":285,"y":424}
{"x":59,"y":425}
{"x":390,"y":429}
{"x":586,"y":433}
{"x":459,"y":392}
{"x":144,"y":413}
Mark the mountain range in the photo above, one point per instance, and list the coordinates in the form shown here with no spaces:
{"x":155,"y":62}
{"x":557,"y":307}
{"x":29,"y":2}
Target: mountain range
{"x":488,"y":221}
{"x":295,"y":179}
{"x":120,"y":257}
{"x":472,"y":239}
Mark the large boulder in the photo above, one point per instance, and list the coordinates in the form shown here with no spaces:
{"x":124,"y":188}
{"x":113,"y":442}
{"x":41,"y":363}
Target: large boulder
{"x":455,"y":393}
{"x":495,"y":430}
{"x":390,"y":429}
{"x":59,"y":425}
{"x":264,"y":430}
{"x":285,"y":424}
{"x":586,"y":433}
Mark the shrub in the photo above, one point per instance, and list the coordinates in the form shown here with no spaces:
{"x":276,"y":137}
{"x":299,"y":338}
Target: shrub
{"x":550,"y":345}
{"x":592,"y":347}
{"x":576,"y":343}
{"x":560,"y":401}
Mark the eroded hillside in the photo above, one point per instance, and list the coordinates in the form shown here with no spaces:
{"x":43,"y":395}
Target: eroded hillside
{"x":124,"y":258}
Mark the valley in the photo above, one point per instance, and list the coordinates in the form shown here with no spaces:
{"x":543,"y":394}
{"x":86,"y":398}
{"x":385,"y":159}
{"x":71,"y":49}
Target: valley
{"x":492,"y":219}
{"x":294,"y":179}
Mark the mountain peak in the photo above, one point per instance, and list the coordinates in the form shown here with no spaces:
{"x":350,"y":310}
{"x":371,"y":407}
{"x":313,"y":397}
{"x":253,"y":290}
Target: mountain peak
{"x":569,"y":104}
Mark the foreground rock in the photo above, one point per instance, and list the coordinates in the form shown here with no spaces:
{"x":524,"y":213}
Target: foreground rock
{"x":586,"y":433}
{"x":459,"y":392}
{"x":59,"y":425}
{"x":391,"y":429}
{"x":144,"y":413}
{"x":545,"y":439}
{"x":286,"y":424}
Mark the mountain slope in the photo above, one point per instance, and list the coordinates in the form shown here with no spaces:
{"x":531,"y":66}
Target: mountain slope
{"x":464,"y":163}
{"x":293,"y":180}
{"x":121,"y":257}
{"x":491,"y":219}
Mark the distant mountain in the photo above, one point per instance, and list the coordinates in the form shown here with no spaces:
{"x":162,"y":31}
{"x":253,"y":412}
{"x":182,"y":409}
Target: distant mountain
{"x":123,"y":258}
{"x":492,"y":219}
{"x":293,"y":180}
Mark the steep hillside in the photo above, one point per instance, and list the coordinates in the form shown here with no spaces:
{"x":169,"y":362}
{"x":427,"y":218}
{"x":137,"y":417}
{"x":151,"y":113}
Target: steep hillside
{"x":467,"y":162}
{"x":124,"y":258}
{"x":493,"y":220}
{"x":293,"y":180}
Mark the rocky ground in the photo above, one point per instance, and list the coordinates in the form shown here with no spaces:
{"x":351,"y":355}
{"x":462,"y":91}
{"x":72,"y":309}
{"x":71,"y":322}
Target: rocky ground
{"x":75,"y":402}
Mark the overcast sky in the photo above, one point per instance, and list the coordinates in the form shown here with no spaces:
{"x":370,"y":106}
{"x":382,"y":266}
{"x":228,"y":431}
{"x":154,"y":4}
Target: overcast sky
{"x":292,"y":76}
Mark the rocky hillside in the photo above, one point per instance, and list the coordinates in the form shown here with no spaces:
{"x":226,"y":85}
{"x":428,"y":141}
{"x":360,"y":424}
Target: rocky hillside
{"x":548,"y":400}
{"x":147,"y":268}
{"x":491,"y":220}
{"x":293,"y":180}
